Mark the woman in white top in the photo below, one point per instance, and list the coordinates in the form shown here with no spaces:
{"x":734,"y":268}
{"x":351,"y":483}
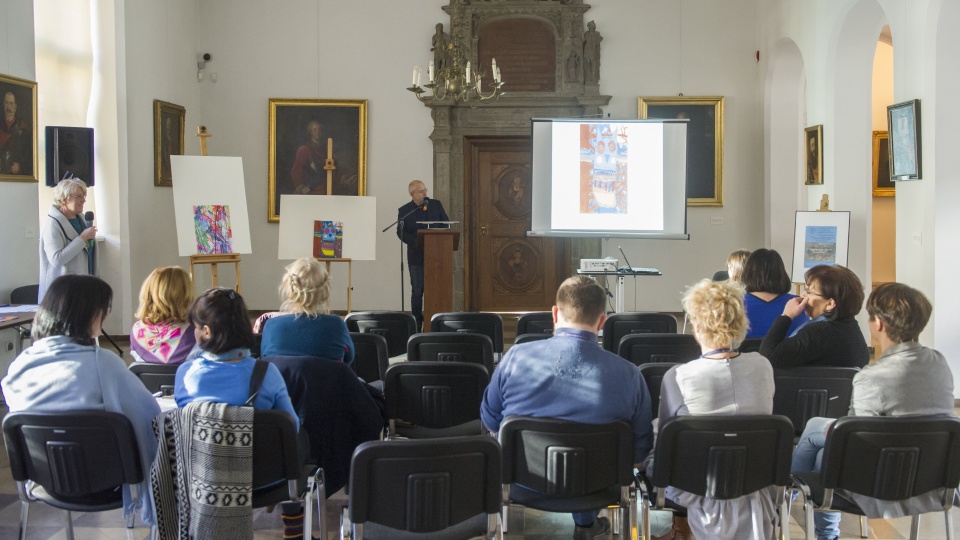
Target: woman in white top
{"x":721,"y":382}
{"x":65,"y":235}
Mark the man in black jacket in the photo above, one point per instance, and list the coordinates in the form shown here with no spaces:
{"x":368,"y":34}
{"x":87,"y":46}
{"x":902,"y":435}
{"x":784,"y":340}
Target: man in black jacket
{"x":420,"y":208}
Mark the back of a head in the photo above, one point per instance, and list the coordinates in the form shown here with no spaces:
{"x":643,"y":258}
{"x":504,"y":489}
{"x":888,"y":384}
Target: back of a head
{"x":165,"y":296}
{"x":735,"y":263}
{"x":716,"y":309}
{"x":764,"y":272}
{"x":903,"y":310}
{"x":305,"y":288}
{"x":71,"y":305}
{"x":840,"y":284}
{"x":225,"y":313}
{"x":581,"y":300}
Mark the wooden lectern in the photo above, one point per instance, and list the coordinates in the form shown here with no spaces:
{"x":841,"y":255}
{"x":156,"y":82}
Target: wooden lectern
{"x":437,"y":246}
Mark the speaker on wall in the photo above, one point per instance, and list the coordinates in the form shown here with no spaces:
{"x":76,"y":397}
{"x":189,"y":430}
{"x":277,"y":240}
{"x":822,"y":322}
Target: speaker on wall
{"x":69,"y":154}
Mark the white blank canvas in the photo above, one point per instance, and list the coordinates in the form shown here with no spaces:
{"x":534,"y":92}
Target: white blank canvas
{"x":205,"y":180}
{"x":298,"y":212}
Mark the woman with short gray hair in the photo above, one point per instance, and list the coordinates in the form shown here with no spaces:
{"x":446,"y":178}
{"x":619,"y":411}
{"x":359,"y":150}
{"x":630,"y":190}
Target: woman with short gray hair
{"x":66,"y":245}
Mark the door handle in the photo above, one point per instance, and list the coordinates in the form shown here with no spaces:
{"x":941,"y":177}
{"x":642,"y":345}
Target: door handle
{"x":483,"y":230}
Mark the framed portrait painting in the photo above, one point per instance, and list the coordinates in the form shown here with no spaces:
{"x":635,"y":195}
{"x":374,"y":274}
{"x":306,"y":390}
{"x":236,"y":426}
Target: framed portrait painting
{"x":883,"y":186}
{"x":704,"y":141}
{"x":18,"y":134}
{"x":903,"y":123}
{"x":813,"y":154}
{"x":317,"y":147}
{"x":168,"y":128}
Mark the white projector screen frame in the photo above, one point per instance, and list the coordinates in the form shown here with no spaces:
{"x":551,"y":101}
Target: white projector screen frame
{"x":643,"y":192}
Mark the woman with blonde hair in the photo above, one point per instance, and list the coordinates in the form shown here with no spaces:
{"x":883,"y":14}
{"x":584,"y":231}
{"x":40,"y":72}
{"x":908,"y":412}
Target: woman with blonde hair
{"x":304,"y":326}
{"x":66,"y":245}
{"x":162,"y":334}
{"x":722,"y":381}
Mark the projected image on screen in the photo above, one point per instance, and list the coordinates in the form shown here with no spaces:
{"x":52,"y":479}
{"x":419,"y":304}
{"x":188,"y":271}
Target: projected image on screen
{"x":603,"y":169}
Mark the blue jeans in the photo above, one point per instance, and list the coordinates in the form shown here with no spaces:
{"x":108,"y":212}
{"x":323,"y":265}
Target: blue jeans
{"x":807,"y":458}
{"x":416,"y":294}
{"x":585,"y":519}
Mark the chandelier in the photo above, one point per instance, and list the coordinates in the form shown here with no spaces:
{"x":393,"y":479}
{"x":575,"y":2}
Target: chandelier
{"x":451,"y":76}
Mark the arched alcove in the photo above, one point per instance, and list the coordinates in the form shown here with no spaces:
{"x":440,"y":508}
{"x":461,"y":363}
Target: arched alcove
{"x":784,"y":91}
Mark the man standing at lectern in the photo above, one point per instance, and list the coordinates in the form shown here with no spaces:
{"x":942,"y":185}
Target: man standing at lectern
{"x":420,"y":208}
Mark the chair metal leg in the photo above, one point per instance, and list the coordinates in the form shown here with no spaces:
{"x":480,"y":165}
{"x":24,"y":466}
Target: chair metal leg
{"x":915,"y":527}
{"x":505,"y":520}
{"x":864,"y":527}
{"x":315,"y":488}
{"x":493,"y":527}
{"x":808,"y":532}
{"x":616,"y":527}
{"x":131,"y":519}
{"x":24,"y":515}
{"x":785,"y":517}
{"x":69,"y":526}
{"x":949,"y":519}
{"x":645,"y":517}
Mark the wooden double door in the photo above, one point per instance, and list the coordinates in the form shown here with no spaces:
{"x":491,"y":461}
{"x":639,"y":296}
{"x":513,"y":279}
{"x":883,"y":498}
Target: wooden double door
{"x":505,"y":270}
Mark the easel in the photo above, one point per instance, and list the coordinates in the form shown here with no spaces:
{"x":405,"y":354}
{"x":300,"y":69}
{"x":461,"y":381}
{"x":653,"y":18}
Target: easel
{"x":824,"y":207}
{"x":349,"y":262}
{"x":215,"y":259}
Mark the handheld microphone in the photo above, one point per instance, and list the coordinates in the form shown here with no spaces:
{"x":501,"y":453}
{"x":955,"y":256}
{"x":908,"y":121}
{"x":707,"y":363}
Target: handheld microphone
{"x":426,"y":202}
{"x":88,"y":216}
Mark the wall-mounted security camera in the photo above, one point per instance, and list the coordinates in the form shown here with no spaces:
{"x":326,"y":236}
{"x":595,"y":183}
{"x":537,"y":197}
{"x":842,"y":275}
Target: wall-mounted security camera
{"x":202,"y":59}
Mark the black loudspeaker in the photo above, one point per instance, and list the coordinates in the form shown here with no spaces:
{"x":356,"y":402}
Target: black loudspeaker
{"x":69,"y":154}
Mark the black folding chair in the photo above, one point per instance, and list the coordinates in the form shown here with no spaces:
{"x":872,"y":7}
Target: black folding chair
{"x":395,"y":326}
{"x":451,"y":347}
{"x":642,"y":349}
{"x":722,"y":457}
{"x":562,"y":466}
{"x":750,"y":345}
{"x":887,"y":458}
{"x":653,"y":375}
{"x":619,"y":325}
{"x":802,"y":393}
{"x":76,"y":461}
{"x":434,"y":399}
{"x":408,"y":489}
{"x":488,"y":324}
{"x":538,"y":322}
{"x":371,"y":356}
{"x":526,"y":338}
{"x":155,"y":376}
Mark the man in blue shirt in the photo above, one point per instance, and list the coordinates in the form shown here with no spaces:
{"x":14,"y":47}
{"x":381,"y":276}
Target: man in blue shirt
{"x":570,"y":377}
{"x":420,"y":208}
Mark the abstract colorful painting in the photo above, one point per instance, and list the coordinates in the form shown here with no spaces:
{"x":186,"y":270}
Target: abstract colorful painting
{"x":211,"y":224}
{"x":328,"y":239}
{"x":603,"y":169}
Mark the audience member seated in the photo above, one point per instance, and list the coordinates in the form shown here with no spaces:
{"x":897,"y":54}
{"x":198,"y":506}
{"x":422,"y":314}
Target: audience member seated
{"x":304,"y":326}
{"x":65,"y":370}
{"x":162,"y":334}
{"x":563,"y":377}
{"x":222,"y":371}
{"x":768,"y":291}
{"x":721,"y":382}
{"x":832,"y":297}
{"x":735,"y":263}
{"x":907,"y":379}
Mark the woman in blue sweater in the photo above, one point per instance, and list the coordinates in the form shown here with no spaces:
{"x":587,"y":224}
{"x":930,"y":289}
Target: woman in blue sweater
{"x":768,"y":291}
{"x":304,"y":326}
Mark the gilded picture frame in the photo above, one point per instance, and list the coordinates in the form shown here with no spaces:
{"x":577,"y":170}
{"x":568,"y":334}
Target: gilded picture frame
{"x":883,"y":186}
{"x":903,"y":124}
{"x":168,"y":131}
{"x":813,"y":155}
{"x":18,"y":130}
{"x":704,"y":141}
{"x":304,"y":134}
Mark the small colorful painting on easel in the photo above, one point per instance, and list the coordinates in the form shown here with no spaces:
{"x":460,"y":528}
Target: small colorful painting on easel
{"x":328,"y":239}
{"x":211,"y":223}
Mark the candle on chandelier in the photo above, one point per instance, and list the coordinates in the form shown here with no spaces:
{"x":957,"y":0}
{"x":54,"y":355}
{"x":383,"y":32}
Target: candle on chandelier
{"x":430,"y":71}
{"x":468,"y":72}
{"x":493,"y":72}
{"x":413,"y":78}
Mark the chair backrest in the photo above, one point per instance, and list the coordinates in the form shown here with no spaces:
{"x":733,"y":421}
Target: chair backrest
{"x":488,"y":324}
{"x":802,"y":393}
{"x":257,"y":342}
{"x":72,"y":454}
{"x":451,"y":347}
{"x":750,"y":345}
{"x":371,"y":356}
{"x":153,"y":376}
{"x":538,"y":322}
{"x":653,"y":375}
{"x":524,"y":338}
{"x":395,"y":326}
{"x":658,"y":348}
{"x":723,"y":457}
{"x":564,"y":459}
{"x":27,"y":294}
{"x":892,"y":458}
{"x":435,"y":395}
{"x":423,"y":486}
{"x":721,"y":275}
{"x":276,"y":456}
{"x":619,"y":325}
